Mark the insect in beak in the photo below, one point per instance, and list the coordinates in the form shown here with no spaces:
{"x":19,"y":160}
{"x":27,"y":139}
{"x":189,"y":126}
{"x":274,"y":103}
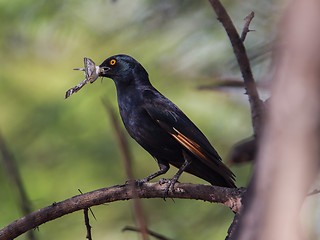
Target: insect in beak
{"x":91,"y":71}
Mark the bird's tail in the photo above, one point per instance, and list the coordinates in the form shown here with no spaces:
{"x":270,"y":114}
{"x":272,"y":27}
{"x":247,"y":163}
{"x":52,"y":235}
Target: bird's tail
{"x":223,"y":178}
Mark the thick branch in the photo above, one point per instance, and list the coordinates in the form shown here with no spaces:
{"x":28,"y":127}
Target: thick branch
{"x":230,"y":197}
{"x":288,"y":159}
{"x":244,"y":64}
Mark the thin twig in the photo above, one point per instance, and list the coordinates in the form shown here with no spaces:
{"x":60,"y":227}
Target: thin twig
{"x":151,"y":233}
{"x":87,"y":223}
{"x":314,"y":192}
{"x":223,"y":83}
{"x":233,"y":226}
{"x":15,"y":178}
{"x":230,"y":197}
{"x":243,"y":151}
{"x":246,"y":29}
{"x":89,"y":208}
{"x":127,"y":162}
{"x":239,"y":50}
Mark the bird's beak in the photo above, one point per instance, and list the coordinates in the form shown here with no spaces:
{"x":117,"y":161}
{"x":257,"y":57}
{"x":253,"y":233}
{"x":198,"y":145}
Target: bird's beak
{"x":103,"y":71}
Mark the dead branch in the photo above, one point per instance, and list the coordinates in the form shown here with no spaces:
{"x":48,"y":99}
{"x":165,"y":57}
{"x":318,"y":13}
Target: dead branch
{"x":246,"y":29}
{"x":87,"y":223}
{"x":314,"y":192}
{"x":230,"y":197}
{"x":223,"y":83}
{"x":151,"y":233}
{"x":239,"y":50}
{"x":243,"y":151}
{"x":15,"y":178}
{"x":233,"y":226}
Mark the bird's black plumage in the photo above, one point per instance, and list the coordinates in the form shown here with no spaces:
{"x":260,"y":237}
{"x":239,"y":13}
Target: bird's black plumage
{"x":160,"y":127}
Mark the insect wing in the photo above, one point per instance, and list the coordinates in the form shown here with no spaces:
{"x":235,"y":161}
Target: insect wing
{"x":91,"y":71}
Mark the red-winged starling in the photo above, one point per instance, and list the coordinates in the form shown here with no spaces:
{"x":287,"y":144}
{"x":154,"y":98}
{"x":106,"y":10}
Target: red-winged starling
{"x":161,"y":128}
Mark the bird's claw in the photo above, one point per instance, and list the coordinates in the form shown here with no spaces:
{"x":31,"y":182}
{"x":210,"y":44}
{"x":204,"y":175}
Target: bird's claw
{"x":170,"y":185}
{"x":163,"y":181}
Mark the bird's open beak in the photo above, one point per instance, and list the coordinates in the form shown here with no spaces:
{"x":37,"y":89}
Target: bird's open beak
{"x":103,"y":71}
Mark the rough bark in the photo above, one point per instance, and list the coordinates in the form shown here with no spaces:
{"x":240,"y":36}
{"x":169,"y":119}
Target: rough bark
{"x":230,"y":197}
{"x":289,"y":149}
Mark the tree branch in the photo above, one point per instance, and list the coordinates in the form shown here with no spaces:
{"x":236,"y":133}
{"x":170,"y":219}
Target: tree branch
{"x":16,"y":181}
{"x":243,"y":151}
{"x":288,"y":158}
{"x":87,"y":223}
{"x":151,"y":233}
{"x":246,"y":29}
{"x":314,"y":192}
{"x":233,"y":226}
{"x":230,"y":197}
{"x":244,"y":64}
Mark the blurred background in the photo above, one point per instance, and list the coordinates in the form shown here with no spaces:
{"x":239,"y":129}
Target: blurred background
{"x":61,"y":145}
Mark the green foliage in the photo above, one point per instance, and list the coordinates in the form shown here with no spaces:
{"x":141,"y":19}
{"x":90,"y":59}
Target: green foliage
{"x":62,"y":145}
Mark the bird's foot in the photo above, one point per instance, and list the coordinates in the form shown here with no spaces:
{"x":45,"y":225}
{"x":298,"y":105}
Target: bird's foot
{"x":170,"y":185}
{"x":163,"y":181}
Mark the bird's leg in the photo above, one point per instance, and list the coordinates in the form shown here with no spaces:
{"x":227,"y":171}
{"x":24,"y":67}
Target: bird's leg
{"x":164,"y":167}
{"x":172,"y":181}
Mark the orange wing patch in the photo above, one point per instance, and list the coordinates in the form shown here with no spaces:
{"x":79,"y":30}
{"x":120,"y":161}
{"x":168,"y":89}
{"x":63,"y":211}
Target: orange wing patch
{"x":194,"y":148}
{"x":188,"y":144}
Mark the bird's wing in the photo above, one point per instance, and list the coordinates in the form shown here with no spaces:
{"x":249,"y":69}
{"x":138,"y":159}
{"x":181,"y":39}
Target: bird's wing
{"x":179,"y":126}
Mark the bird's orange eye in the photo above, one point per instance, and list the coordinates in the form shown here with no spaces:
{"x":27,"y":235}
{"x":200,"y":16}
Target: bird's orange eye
{"x":113,"y":61}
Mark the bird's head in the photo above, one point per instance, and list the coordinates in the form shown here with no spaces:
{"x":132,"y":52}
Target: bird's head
{"x":123,"y":68}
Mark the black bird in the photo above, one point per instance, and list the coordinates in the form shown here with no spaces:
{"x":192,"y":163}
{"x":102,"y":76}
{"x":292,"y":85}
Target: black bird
{"x":161,"y":128}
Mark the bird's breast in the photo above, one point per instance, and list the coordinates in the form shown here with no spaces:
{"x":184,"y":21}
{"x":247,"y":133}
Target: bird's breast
{"x":142,"y":128}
